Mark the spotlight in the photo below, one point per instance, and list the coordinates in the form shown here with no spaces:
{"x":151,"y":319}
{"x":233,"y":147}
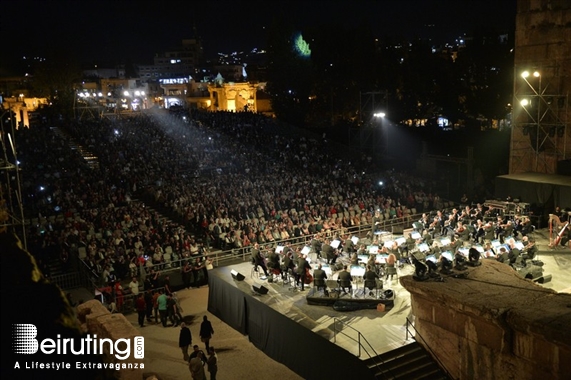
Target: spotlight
{"x":460,"y":261}
{"x":446,"y":266}
{"x":419,"y":269}
{"x":474,"y":257}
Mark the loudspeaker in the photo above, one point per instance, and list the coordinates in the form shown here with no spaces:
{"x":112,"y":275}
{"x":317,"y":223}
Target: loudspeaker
{"x":237,"y":276}
{"x":260,"y":289}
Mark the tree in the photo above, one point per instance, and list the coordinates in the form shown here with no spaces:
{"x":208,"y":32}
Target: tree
{"x":55,"y":78}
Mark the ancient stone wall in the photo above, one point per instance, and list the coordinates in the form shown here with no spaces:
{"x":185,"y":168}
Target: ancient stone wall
{"x":96,"y":319}
{"x":493,"y":324}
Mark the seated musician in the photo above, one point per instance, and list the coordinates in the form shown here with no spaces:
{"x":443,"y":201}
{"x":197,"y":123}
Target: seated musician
{"x":370,"y":279}
{"x":354,"y":259}
{"x":329,"y":252}
{"x":274,"y":262}
{"x":489,"y":232}
{"x":345,"y":277}
{"x":503,"y":256}
{"x":288,"y":265}
{"x":529,"y":250}
{"x":526,"y":226}
{"x":319,"y":275}
{"x":506,"y":230}
{"x":462,"y":232}
{"x":489,"y":252}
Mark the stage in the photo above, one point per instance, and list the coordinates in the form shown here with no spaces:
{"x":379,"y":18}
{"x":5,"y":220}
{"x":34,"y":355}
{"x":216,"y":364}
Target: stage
{"x":297,"y":328}
{"x":287,"y":328}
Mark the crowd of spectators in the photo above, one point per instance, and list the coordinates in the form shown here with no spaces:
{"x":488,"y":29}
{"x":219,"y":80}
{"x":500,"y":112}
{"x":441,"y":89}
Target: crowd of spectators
{"x":233,"y":179}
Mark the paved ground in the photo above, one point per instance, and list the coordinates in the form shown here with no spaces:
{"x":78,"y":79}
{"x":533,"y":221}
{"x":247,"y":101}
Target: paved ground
{"x":238,"y":358}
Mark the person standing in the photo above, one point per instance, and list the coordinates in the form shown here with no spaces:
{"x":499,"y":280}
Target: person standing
{"x":149,"y":305}
{"x":134,"y":286}
{"x":141,"y":306}
{"x":184,"y":340}
{"x":206,"y":332}
{"x":162,"y":306}
{"x":196,"y":366}
{"x":302,"y":268}
{"x":212,"y":363}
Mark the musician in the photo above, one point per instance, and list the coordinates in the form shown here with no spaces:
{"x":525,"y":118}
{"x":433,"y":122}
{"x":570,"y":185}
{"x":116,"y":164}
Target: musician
{"x":489,"y":231}
{"x":288,"y":264}
{"x":348,"y":245}
{"x":370,"y":279}
{"x":478,"y":212}
{"x":526,"y":226}
{"x":372,"y":260}
{"x":391,"y":269}
{"x":274,"y":262}
{"x":302,"y":268}
{"x":259,"y":259}
{"x":437,"y":224}
{"x":354,"y":259}
{"x":465,"y":216}
{"x":504,"y":230}
{"x":319,"y":273}
{"x":489,"y":252}
{"x":565,"y":235}
{"x":461,"y":232}
{"x":316,"y":244}
{"x":514,"y":251}
{"x":529,"y":250}
{"x":425,"y":221}
{"x":479,"y":232}
{"x":503,"y":256}
{"x":345,"y":276}
{"x":329,"y":252}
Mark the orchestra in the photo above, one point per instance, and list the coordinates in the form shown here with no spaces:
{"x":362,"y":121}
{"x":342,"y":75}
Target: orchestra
{"x":483,"y":231}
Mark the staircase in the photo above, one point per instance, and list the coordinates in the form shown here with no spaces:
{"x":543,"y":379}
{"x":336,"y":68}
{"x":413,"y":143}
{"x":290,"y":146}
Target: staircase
{"x":91,"y":160}
{"x":410,"y":362}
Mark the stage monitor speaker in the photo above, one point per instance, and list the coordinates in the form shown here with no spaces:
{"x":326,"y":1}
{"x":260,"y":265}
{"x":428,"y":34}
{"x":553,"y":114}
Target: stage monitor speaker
{"x":260,"y":289}
{"x":237,"y":276}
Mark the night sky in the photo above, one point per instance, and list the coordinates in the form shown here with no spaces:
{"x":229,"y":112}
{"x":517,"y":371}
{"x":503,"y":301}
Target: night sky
{"x":136,"y":30}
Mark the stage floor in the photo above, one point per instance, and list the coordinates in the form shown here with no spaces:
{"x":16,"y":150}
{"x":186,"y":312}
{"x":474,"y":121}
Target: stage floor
{"x":386,"y":330}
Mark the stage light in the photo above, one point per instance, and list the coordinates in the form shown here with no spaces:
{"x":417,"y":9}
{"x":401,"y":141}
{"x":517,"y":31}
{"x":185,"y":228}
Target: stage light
{"x":525,"y":74}
{"x":524,"y":102}
{"x":237,"y":276}
{"x":474,"y":257}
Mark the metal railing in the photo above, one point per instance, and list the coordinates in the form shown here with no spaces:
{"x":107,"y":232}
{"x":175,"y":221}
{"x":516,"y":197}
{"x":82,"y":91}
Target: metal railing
{"x":361,"y":341}
{"x":425,"y":345}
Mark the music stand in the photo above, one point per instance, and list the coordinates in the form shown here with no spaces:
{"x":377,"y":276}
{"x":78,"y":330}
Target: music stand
{"x":305,"y":250}
{"x":355,"y":240}
{"x":373,"y":249}
{"x":279,"y":249}
{"x":335,"y":244}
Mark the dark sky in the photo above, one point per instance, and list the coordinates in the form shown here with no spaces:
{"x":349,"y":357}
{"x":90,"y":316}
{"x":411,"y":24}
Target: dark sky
{"x":119,"y":29}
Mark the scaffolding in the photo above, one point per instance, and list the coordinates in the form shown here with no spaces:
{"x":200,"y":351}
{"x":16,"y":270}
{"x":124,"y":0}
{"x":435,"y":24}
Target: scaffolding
{"x":11,"y":206}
